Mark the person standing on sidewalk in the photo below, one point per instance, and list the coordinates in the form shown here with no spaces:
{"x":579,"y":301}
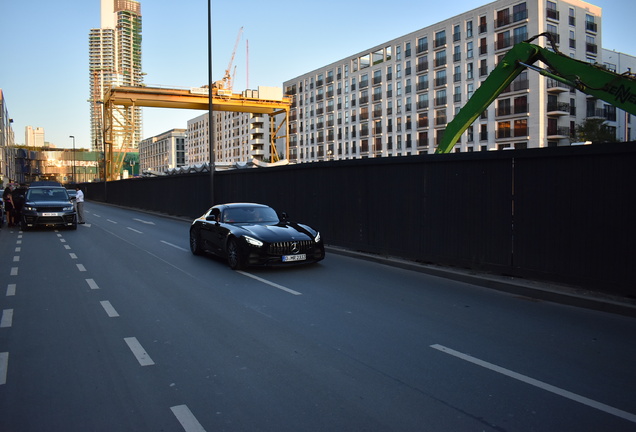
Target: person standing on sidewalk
{"x":79,"y":205}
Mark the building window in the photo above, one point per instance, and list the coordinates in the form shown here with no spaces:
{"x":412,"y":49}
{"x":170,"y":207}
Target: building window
{"x":422,"y":44}
{"x":440,"y":38}
{"x":440,"y":78}
{"x":551,"y":10}
{"x":440,"y":58}
{"x":365,"y":61}
{"x":590,"y":24}
{"x":483,"y":27}
{"x":519,"y":12}
{"x":456,"y":33}
{"x":520,"y":34}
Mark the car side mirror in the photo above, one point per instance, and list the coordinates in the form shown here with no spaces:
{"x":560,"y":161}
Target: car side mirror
{"x":211,"y":218}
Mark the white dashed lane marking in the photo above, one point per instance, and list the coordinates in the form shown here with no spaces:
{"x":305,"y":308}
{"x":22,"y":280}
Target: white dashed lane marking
{"x":110,"y":310}
{"x":139,"y":352}
{"x":187,"y":419}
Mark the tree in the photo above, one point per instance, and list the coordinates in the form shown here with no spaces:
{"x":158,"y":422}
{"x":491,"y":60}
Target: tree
{"x":595,"y":130}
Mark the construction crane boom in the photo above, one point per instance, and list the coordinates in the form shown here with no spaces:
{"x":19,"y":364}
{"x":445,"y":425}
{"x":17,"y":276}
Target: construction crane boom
{"x":228,"y":80}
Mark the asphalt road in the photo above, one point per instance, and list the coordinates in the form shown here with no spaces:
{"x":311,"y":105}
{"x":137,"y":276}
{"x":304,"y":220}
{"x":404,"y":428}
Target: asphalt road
{"x":118,"y":327}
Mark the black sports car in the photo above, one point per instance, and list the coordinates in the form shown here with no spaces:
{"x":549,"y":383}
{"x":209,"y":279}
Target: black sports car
{"x":253,"y":234}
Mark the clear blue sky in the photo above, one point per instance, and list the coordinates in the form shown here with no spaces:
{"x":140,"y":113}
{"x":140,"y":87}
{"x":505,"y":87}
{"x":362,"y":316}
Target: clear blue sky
{"x":44,"y":61}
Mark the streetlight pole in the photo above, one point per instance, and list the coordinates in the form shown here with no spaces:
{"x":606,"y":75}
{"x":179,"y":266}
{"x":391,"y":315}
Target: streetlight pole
{"x":71,"y":136}
{"x":211,"y":136}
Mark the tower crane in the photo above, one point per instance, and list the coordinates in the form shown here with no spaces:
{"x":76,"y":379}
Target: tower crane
{"x":225,"y":84}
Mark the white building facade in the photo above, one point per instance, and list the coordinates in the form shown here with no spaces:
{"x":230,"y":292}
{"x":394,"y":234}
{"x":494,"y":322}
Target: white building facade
{"x":162,"y":152}
{"x":616,"y":119}
{"x":33,"y":137}
{"x":240,"y":138}
{"x":396,"y":98}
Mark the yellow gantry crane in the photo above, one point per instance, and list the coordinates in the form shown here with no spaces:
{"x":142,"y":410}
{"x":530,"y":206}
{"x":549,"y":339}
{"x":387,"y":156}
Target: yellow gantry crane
{"x":118,"y":129}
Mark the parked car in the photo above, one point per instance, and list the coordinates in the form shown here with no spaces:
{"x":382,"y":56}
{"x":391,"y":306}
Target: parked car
{"x":248,"y":234}
{"x":47,"y":204}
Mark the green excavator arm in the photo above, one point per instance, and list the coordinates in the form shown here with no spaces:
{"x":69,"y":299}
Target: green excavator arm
{"x":618,"y":90}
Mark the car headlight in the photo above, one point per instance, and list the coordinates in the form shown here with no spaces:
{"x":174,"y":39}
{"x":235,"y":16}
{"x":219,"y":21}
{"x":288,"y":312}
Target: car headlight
{"x":317,"y":238}
{"x":29,"y":208}
{"x":69,"y":208}
{"x":252,"y":241}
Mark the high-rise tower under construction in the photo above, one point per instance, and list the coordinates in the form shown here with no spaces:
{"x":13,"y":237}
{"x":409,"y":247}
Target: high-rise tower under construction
{"x":115,"y":59}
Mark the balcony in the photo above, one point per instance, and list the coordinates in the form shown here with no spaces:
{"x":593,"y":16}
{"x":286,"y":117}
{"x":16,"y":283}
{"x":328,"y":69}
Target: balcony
{"x":595,"y":113}
{"x":555,"y":86}
{"x":559,"y":132}
{"x":558,"y":109}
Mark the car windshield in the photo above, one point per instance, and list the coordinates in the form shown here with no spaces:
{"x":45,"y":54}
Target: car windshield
{"x":47,"y":194}
{"x":250,"y":215}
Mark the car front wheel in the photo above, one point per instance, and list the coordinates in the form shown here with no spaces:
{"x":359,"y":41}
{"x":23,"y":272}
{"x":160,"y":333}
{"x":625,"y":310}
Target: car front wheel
{"x":195,"y":242}
{"x":235,"y":258}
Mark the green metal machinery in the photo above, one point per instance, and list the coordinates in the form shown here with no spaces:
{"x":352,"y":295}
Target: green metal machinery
{"x":616,"y":89}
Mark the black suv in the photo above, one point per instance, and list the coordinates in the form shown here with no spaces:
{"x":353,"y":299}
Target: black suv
{"x":47,"y":204}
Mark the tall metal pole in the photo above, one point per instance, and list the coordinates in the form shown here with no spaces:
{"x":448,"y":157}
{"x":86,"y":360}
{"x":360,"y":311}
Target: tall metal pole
{"x":210,"y":106}
{"x":71,"y":136}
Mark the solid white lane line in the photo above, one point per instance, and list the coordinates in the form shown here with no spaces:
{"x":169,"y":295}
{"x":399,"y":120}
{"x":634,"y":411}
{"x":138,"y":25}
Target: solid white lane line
{"x":14,"y":271}
{"x":132,"y":229}
{"x":174,"y":246}
{"x":4,"y":365}
{"x":540,"y":384}
{"x":139,"y":352}
{"x":110,"y":310}
{"x":81,"y":267}
{"x":187,"y":419}
{"x":7,"y":318}
{"x":270,"y":283}
{"x":92,"y":284}
{"x":10,"y":290}
{"x":144,"y":221}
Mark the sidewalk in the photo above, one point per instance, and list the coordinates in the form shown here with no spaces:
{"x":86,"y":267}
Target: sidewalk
{"x":532,"y":289}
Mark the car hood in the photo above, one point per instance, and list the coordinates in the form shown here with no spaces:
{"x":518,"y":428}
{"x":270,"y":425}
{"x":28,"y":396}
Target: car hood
{"x":278,"y":233}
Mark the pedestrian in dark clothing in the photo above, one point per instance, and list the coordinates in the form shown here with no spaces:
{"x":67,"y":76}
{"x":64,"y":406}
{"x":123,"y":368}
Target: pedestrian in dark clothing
{"x":19,"y":198}
{"x":8,"y":204}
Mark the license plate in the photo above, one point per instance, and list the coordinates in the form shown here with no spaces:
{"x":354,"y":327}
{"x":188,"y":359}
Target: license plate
{"x":299,"y":257}
{"x":49,"y":214}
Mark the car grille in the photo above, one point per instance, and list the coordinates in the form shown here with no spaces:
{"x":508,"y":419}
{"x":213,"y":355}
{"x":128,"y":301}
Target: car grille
{"x":50,"y":209}
{"x":291,"y":247}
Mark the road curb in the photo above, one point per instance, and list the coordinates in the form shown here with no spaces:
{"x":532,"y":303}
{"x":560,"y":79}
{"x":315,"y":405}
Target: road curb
{"x":520,"y":287}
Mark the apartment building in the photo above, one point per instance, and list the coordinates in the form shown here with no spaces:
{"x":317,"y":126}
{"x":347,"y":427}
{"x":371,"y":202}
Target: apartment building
{"x":33,"y":137}
{"x":240,"y":138}
{"x":397,"y":97}
{"x":618,"y":120}
{"x":115,"y":59}
{"x":162,"y":152}
{"x":7,"y":141}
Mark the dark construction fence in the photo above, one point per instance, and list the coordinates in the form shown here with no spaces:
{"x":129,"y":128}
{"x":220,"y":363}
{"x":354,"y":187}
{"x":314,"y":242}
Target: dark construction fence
{"x":562,"y":214}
